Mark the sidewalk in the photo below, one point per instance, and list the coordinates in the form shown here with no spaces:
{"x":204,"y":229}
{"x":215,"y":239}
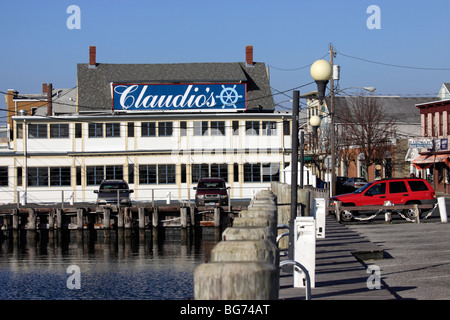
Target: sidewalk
{"x":339,"y":275}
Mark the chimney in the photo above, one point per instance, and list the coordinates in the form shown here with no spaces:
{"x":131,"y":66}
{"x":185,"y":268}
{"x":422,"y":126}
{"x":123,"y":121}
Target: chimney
{"x":49,"y":100}
{"x":92,"y":57}
{"x":249,"y":55}
{"x":44,"y":88}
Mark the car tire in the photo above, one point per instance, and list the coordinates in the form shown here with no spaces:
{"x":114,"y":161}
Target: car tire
{"x":346,"y":215}
{"x":409,"y":213}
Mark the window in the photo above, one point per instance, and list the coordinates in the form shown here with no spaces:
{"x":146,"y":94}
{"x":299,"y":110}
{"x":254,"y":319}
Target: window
{"x":286,"y":128}
{"x":183,"y":173}
{"x":417,"y":186}
{"x":220,"y":171}
{"x":78,"y":176}
{"x":37,"y":176}
{"x":78,"y":130}
{"x":235,"y":128}
{"x":95,"y":175}
{"x":183,"y":128}
{"x":200,"y":128}
{"x":379,"y":188}
{"x":114,"y":172}
{"x":19,"y":133}
{"x":37,"y":131}
{"x":59,"y":176}
{"x":269,"y":128}
{"x":199,"y":171}
{"x":166,"y":173}
{"x":271,"y":172}
{"x":130,"y":173}
{"x":19,"y":176}
{"x":113,"y":130}
{"x":165,"y":129}
{"x":236,"y":172}
{"x":397,"y":187}
{"x":147,"y":174}
{"x":130,"y":129}
{"x":4,"y":176}
{"x":252,"y":128}
{"x":217,"y":128}
{"x":59,"y":130}
{"x":252,"y":172}
{"x":95,"y":130}
{"x":148,"y":129}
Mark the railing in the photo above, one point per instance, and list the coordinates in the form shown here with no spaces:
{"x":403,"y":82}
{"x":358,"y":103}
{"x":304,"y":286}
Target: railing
{"x":70,"y":196}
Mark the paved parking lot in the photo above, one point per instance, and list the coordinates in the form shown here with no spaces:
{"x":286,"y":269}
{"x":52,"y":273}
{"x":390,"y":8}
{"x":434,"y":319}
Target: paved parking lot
{"x":417,"y":257}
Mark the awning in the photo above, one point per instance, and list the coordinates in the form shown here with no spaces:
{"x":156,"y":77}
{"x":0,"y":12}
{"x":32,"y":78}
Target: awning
{"x":426,"y":161}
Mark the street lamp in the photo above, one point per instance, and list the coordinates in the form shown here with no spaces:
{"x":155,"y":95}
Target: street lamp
{"x":321,"y":72}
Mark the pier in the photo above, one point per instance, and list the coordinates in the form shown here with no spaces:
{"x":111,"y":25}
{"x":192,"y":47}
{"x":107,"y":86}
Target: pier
{"x":87,"y":216}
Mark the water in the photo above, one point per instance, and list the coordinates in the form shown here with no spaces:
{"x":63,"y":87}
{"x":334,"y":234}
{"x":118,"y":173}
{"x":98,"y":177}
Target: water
{"x":116,"y":267}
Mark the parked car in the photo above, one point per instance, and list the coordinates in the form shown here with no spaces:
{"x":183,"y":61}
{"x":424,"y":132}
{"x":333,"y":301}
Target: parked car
{"x":211,"y":191}
{"x":110,"y":190}
{"x":340,"y":188}
{"x":355,"y":183}
{"x":396,"y":190}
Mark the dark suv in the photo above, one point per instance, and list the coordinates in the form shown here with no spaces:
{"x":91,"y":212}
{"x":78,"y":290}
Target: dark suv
{"x":211,"y":192}
{"x":396,"y":190}
{"x":111,"y":190}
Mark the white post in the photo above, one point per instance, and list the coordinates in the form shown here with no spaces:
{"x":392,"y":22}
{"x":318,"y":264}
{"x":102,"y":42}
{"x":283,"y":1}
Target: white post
{"x":442,"y":209}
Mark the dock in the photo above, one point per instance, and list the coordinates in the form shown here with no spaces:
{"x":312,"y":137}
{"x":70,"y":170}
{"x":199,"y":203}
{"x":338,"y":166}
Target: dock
{"x":87,"y":216}
{"x":340,"y":271}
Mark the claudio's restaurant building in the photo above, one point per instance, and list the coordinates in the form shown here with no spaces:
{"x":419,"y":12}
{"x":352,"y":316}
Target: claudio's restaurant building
{"x":160,"y":127}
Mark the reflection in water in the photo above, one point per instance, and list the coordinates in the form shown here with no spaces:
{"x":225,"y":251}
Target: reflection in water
{"x":113,"y":265}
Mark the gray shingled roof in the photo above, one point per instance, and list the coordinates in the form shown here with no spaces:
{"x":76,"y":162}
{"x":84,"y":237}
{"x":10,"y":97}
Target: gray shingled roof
{"x":94,"y":84}
{"x":403,"y":109}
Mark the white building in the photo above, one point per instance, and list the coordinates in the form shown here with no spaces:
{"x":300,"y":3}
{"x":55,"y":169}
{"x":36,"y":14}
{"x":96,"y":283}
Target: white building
{"x":158,"y":126}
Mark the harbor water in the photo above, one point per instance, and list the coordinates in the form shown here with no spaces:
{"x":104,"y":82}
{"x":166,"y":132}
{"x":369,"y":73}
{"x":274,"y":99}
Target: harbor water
{"x":102,"y":265}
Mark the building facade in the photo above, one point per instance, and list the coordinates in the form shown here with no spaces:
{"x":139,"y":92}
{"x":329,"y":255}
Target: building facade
{"x":432,"y":159}
{"x":160,"y":127}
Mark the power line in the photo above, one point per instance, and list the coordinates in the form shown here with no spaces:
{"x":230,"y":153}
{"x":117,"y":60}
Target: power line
{"x":393,"y":65}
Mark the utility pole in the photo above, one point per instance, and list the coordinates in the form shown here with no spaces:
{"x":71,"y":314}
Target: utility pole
{"x":333,"y":146}
{"x":294,"y":171}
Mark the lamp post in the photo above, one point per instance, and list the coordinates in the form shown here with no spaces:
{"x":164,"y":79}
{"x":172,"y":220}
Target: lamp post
{"x":321,"y":72}
{"x":294,"y":167}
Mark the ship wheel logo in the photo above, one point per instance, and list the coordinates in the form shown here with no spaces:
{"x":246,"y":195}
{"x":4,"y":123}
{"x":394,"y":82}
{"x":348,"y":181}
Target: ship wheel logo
{"x":229,"y":96}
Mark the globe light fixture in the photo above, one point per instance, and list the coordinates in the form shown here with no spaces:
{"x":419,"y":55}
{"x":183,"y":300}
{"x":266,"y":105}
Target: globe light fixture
{"x":321,"y":72}
{"x":315,"y":121}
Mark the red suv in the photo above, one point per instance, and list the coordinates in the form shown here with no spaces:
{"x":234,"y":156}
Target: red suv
{"x":397,"y":190}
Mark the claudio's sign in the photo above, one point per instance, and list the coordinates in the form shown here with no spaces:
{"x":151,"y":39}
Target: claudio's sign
{"x":179,"y":97}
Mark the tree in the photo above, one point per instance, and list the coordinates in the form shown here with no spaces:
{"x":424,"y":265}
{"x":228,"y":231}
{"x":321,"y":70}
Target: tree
{"x":365,"y":130}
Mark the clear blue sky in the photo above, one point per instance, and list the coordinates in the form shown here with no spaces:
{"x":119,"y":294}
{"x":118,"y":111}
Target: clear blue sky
{"x":38,"y":47}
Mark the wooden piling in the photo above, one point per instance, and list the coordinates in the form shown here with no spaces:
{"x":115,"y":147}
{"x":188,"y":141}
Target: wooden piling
{"x":31,"y":219}
{"x":59,"y":218}
{"x":141,"y":217}
{"x":106,"y":218}
{"x":183,"y":217}
{"x":155,"y":220}
{"x":80,"y":219}
{"x":127,"y":218}
{"x":217,"y":217}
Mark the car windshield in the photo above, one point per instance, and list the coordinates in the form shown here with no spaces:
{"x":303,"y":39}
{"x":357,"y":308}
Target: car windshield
{"x":113,"y":186}
{"x":364,"y":187}
{"x":211,"y":185}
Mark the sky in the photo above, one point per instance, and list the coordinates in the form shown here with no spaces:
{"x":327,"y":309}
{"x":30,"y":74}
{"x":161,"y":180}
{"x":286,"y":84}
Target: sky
{"x":401,"y":48}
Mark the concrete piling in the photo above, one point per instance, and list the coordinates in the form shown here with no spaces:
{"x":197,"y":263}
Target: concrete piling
{"x":244,"y":265}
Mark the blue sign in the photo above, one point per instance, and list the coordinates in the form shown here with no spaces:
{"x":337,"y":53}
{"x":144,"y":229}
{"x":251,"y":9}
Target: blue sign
{"x":181,"y":97}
